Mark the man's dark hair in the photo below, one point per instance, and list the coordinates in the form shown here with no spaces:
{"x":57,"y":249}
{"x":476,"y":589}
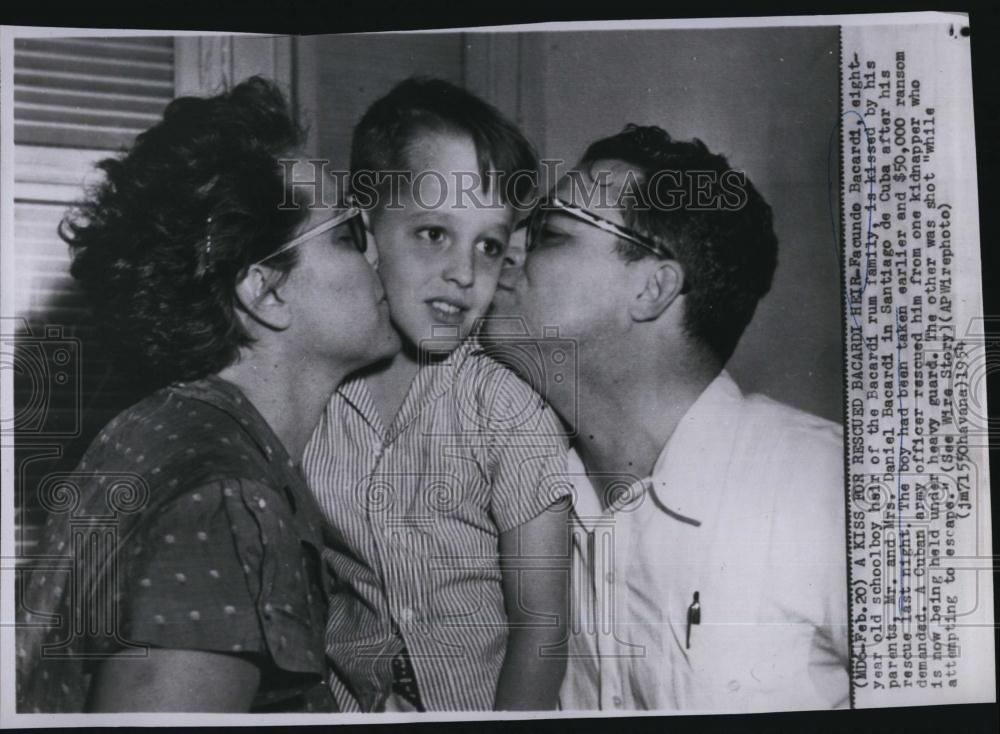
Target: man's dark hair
{"x":721,"y":231}
{"x":160,"y":244}
{"x":384,"y":138}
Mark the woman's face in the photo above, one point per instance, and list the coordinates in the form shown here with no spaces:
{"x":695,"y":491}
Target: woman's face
{"x":338,"y":306}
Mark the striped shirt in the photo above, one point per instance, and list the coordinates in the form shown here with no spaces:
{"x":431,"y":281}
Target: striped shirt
{"x":417,"y":509}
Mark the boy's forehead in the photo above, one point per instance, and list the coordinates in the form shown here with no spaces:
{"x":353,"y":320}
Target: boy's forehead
{"x":443,"y":152}
{"x":443,"y":174}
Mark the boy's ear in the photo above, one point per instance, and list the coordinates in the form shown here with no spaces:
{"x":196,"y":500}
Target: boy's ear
{"x":660,"y":288}
{"x":259,"y":296}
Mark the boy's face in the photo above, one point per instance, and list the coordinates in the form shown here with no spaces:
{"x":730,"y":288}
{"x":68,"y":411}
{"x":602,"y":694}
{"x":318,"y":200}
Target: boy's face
{"x":440,"y":253}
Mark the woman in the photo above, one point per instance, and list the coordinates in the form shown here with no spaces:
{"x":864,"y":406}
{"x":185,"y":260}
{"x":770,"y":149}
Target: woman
{"x":183,"y":556}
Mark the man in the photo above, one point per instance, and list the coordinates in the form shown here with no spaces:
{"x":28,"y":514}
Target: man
{"x":709,"y":541}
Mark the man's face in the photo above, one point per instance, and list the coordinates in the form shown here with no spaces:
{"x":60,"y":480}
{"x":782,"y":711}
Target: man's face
{"x":573,"y":280}
{"x":440,"y":264}
{"x":568,"y":280}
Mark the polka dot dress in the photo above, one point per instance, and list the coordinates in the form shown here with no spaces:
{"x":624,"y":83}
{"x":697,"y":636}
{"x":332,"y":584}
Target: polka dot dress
{"x":193,"y":530}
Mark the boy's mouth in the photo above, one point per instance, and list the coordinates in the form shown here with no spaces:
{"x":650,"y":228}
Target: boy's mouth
{"x":446,"y":310}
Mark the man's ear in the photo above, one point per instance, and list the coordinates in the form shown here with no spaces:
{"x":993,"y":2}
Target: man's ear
{"x":258,"y":294}
{"x":371,"y":252}
{"x":660,"y":288}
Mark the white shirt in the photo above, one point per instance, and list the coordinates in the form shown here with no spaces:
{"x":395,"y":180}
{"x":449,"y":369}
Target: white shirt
{"x":746,"y":507}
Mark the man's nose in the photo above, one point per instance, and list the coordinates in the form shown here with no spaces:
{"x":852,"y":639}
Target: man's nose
{"x":460,"y":268}
{"x":516,"y":249}
{"x":513,"y":260}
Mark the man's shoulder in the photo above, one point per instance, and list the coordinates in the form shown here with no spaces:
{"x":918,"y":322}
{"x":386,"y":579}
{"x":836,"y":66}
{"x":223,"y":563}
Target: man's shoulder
{"x":795,"y":461}
{"x":800,"y":453}
{"x":793,"y":426}
{"x":788,"y":446}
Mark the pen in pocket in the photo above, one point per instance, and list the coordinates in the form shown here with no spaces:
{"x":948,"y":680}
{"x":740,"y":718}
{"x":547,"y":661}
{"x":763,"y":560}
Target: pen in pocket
{"x":693,"y":617}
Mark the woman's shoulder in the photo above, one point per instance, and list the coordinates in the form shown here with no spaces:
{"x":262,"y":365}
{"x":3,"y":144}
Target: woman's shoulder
{"x":173,"y":435}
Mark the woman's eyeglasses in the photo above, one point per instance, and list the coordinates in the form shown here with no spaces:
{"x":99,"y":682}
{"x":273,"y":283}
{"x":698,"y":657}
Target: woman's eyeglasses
{"x":350,"y":216}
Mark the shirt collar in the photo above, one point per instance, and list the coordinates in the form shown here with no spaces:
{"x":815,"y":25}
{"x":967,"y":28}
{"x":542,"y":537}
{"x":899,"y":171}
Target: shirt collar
{"x":689,"y":471}
{"x":433,"y":380}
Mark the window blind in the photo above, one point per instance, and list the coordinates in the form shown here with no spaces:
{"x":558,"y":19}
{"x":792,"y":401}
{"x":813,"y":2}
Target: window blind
{"x":76,"y":101}
{"x":89,"y":92}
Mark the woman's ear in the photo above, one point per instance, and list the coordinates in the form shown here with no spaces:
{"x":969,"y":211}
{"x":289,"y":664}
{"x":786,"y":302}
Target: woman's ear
{"x":660,"y":288}
{"x":259,"y":296}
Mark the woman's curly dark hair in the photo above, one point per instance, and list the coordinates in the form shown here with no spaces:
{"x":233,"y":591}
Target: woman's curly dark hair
{"x":160,"y":244}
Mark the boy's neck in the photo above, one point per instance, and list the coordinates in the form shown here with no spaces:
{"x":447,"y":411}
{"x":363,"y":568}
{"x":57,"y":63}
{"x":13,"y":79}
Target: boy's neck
{"x":390,"y":384}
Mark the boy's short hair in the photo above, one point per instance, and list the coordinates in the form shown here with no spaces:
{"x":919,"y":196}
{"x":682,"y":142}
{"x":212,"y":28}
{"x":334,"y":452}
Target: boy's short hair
{"x":728,"y":248}
{"x":383,"y":138}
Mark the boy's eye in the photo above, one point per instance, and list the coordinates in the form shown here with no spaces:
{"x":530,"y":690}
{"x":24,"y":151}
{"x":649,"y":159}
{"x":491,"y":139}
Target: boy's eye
{"x":434,"y":235}
{"x":491,"y":248}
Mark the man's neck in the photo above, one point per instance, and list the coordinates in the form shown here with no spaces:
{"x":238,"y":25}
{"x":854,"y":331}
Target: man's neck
{"x":624,"y":424}
{"x":290,"y":397}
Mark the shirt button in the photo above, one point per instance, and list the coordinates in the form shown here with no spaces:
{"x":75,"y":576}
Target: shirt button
{"x":617,"y":701}
{"x":268,"y":609}
{"x":406,"y":615}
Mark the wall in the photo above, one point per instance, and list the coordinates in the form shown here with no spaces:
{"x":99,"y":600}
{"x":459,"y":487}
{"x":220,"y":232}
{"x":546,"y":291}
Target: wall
{"x":342,"y":75}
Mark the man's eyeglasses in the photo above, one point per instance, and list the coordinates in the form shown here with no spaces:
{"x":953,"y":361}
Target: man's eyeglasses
{"x":536,"y":226}
{"x":350,"y":216}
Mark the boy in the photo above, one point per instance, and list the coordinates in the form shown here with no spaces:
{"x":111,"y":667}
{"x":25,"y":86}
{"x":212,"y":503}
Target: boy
{"x":439,"y":463}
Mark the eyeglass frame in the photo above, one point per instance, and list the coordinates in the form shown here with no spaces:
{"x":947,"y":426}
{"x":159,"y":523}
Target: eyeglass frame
{"x":554,"y":203}
{"x":536,"y":218}
{"x":359,"y":233}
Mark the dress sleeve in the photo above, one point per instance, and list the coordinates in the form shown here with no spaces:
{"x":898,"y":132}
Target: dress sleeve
{"x":528,"y":453}
{"x":228,"y":567}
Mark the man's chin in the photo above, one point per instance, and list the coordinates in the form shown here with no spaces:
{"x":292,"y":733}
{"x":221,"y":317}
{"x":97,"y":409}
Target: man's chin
{"x":504,"y":319}
{"x":503,"y":328}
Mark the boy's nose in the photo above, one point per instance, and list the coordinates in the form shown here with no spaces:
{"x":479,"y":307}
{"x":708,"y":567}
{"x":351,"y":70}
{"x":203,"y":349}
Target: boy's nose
{"x":461,"y":266}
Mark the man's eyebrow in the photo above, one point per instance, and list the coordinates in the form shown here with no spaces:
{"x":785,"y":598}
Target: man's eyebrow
{"x":498,"y":231}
